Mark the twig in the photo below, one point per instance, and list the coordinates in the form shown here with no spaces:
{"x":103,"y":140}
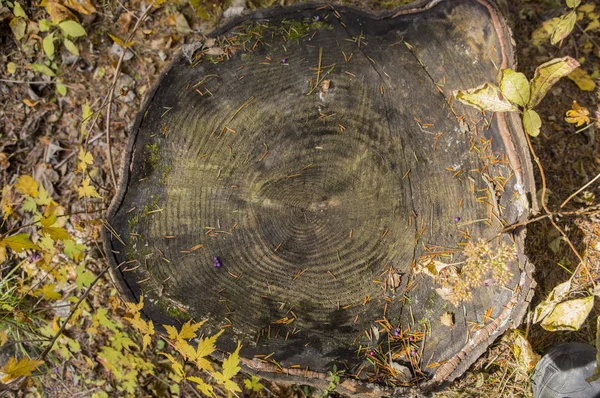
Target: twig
{"x":579,"y":190}
{"x":27,"y":82}
{"x":542,"y":174}
{"x":112,"y":91}
{"x":587,"y":35}
{"x":64,"y":325}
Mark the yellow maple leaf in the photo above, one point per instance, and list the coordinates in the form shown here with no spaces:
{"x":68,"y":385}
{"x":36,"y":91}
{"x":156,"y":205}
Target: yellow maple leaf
{"x":188,"y":330}
{"x":230,"y":368}
{"x":578,"y":115}
{"x":135,"y":308}
{"x":6,"y":201}
{"x":87,"y":190}
{"x":49,"y":292}
{"x":86,"y":115}
{"x":84,"y":158}
{"x":19,"y":242}
{"x":206,"y":347}
{"x":26,"y":185}
{"x":24,"y":367}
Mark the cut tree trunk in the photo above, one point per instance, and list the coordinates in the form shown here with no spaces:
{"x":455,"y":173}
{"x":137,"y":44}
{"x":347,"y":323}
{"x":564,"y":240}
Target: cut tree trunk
{"x":302,"y":178}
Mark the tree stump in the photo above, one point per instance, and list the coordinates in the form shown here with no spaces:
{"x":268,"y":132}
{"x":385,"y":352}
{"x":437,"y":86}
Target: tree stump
{"x":305,"y":181}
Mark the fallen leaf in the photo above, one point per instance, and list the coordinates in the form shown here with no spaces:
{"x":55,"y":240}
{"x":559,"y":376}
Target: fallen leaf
{"x":578,"y":115}
{"x":582,"y":79}
{"x":43,"y":69}
{"x":515,"y":87}
{"x":573,"y":3}
{"x":569,"y":315}
{"x":87,"y":190}
{"x":84,"y":158}
{"x":486,"y":97}
{"x":526,"y":358}
{"x":18,"y":27}
{"x":24,"y":367}
{"x":82,"y":6}
{"x":57,"y":12}
{"x":556,"y":295}
{"x":48,"y":45}
{"x":18,"y":11}
{"x":70,"y":46}
{"x":72,"y":29}
{"x":544,"y":32}
{"x":26,"y":185}
{"x":447,"y":319}
{"x":547,"y":74}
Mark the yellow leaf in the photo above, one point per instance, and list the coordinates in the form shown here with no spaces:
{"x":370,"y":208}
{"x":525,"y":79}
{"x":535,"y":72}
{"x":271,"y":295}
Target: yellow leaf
{"x":86,"y":114}
{"x":486,"y":97}
{"x":447,"y":319}
{"x":18,"y":11}
{"x":58,"y":12}
{"x":579,"y":115}
{"x":569,"y":315}
{"x":84,"y":158}
{"x":26,"y":185}
{"x":44,"y":197}
{"x":135,"y":308}
{"x":544,"y":32}
{"x":230,"y":368}
{"x":18,"y":27}
{"x":87,"y":190}
{"x":547,"y":74}
{"x":11,"y":67}
{"x":24,"y":367}
{"x":582,"y":79}
{"x":188,"y":330}
{"x":526,"y":358}
{"x":48,"y":45}
{"x":185,"y":349}
{"x":83,"y":6}
{"x":588,"y":7}
{"x":205,"y":388}
{"x":49,"y":292}
{"x":19,"y":242}
{"x":2,"y":253}
{"x":564,"y":27}
{"x":3,"y":337}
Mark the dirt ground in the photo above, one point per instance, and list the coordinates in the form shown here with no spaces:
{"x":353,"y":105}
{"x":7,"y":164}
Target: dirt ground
{"x":41,"y":135}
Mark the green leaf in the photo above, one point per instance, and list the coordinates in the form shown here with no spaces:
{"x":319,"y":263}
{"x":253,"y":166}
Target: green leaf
{"x":48,"y":44}
{"x":18,"y":27}
{"x":19,"y":242}
{"x":70,"y":46}
{"x":532,"y":122}
{"x":72,"y":29}
{"x":564,"y":27}
{"x":569,"y":315}
{"x":486,"y":97}
{"x":547,"y":74}
{"x":61,"y":89}
{"x":29,"y":204}
{"x":84,"y":278}
{"x":73,"y":250}
{"x":44,"y":25}
{"x":573,"y":3}
{"x":43,"y":69}
{"x":18,"y":11}
{"x":515,"y":87}
{"x":11,"y":68}
{"x":253,"y":384}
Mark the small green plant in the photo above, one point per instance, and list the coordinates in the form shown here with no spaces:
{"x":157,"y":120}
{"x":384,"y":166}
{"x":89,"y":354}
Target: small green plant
{"x":334,"y":379}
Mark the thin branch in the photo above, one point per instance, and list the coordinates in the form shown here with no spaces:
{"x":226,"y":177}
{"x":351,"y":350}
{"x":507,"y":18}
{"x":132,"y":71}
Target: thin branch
{"x":112,"y":91}
{"x":66,"y":322}
{"x":579,"y":190}
{"x":34,"y":83}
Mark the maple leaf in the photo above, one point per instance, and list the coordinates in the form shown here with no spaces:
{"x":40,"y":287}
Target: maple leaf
{"x":99,"y":318}
{"x":26,"y":185}
{"x":73,"y":250}
{"x":19,"y":242}
{"x":86,"y":114}
{"x":253,"y":384}
{"x":578,"y":115}
{"x":84,"y":158}
{"x":87,"y":190}
{"x":84,"y":277}
{"x":230,"y":368}
{"x":135,"y":308}
{"x":29,"y":204}
{"x":49,"y":292}
{"x":206,"y":347}
{"x":24,"y":367}
{"x":205,"y":388}
{"x":44,"y":197}
{"x":188,"y":330}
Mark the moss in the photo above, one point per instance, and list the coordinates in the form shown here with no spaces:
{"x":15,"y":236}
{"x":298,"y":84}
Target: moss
{"x":152,"y":205}
{"x":153,"y":157}
{"x":132,"y":222}
{"x":165,"y":173}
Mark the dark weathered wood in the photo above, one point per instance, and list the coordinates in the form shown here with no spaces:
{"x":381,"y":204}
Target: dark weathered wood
{"x":318,"y":200}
